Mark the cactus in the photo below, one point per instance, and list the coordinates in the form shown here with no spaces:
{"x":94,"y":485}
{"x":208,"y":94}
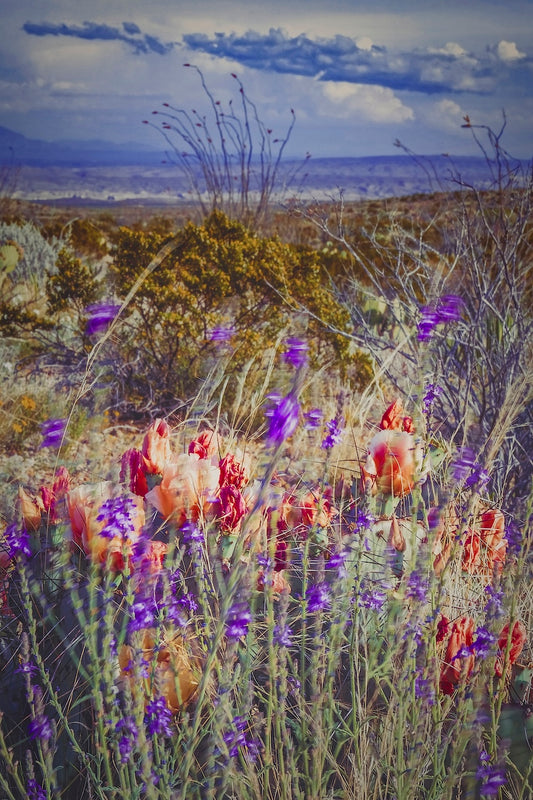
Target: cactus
{"x":10,"y":255}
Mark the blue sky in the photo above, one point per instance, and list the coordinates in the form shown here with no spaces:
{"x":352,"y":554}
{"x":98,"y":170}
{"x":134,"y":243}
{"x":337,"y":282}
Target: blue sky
{"x":359,"y":74}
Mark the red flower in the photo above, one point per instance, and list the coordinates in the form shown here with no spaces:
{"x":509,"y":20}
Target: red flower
{"x":133,"y":472}
{"x":492,"y":532}
{"x":232,"y":472}
{"x":205,"y":445}
{"x":471,"y":557}
{"x":457,"y":661}
{"x":392,"y":461}
{"x":232,"y":508}
{"x":394,"y":419}
{"x":518,"y":640}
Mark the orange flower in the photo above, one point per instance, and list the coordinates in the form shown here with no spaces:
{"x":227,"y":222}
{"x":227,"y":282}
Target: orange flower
{"x":174,"y":672}
{"x":156,"y":447}
{"x":471,"y":558}
{"x":518,"y":640}
{"x":30,"y":509}
{"x":455,"y":665}
{"x":317,"y":509}
{"x":392,"y":462}
{"x":187,"y":489}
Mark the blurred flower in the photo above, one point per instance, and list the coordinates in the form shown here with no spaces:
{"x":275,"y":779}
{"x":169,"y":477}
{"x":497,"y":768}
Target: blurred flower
{"x":492,"y":533}
{"x":513,"y":538}
{"x":117,"y":514}
{"x":142,"y":615}
{"x":282,"y":635}
{"x":492,"y":777}
{"x":465,"y":468}
{"x":221,"y":335}
{"x":315,"y":509}
{"x":373,"y":599}
{"x":156,"y":447}
{"x":432,"y":391}
{"x":237,"y":620}
{"x":132,"y":471}
{"x":18,"y":544}
{"x":471,"y":557}
{"x":231,"y":508}
{"x":191,"y":535}
{"x":447,"y":309}
{"x":429,"y":319}
{"x":52,"y":496}
{"x":424,"y":690}
{"x":296,"y":352}
{"x":317,"y":597}
{"x":334,"y":428}
{"x":417,"y":587}
{"x":236,"y":740}
{"x":53,"y":431}
{"x":395,"y":419}
{"x":100,"y":316}
{"x":283,"y":416}
{"x":313,"y":418}
{"x":494,"y":606}
{"x":35,"y":790}
{"x":39,"y":726}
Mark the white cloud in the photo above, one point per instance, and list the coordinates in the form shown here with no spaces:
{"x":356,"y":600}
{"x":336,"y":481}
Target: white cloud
{"x":374,"y":103}
{"x":508,"y":51}
{"x":446,"y":114}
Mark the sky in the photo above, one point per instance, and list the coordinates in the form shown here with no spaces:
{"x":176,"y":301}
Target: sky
{"x":358,"y":74}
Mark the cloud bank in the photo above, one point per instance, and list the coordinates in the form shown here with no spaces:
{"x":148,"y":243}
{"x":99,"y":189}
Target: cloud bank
{"x":130,"y":33}
{"x":431,"y":71}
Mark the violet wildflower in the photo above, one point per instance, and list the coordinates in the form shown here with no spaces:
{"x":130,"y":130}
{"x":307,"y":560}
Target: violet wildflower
{"x":494,"y":606}
{"x":283,"y":416}
{"x":142,"y":616}
{"x":492,"y":777}
{"x":117,"y":512}
{"x":18,"y":541}
{"x":364,"y":521}
{"x":282,"y":635}
{"x":221,"y":335}
{"x":424,"y":690}
{"x":513,"y":537}
{"x":238,"y":619}
{"x":35,"y":790}
{"x":338,"y":561}
{"x":431,"y":393}
{"x":158,"y":718}
{"x":317,"y":596}
{"x":100,"y":316}
{"x":40,"y":728}
{"x":373,"y":599}
{"x":484,"y":643}
{"x":296,"y":352}
{"x":450,"y":308}
{"x":465,"y":468}
{"x":417,"y":587}
{"x":127,"y":730}
{"x":235,"y":739}
{"x":334,"y":428}
{"x":312,"y":418}
{"x":53,"y":431}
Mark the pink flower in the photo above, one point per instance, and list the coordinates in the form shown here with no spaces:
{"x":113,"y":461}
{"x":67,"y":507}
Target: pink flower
{"x":232,"y":508}
{"x":133,"y":472}
{"x":392,"y":462}
{"x":232,"y":472}
{"x":205,"y":445}
{"x":492,"y":532}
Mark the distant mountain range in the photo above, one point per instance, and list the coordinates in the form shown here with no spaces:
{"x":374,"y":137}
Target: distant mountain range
{"x":104,"y":172}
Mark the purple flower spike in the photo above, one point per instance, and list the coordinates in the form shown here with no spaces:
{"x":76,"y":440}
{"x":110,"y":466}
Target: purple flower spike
{"x":283,"y":418}
{"x":237,"y":620}
{"x":334,"y":428}
{"x":313,"y":418}
{"x":52,"y":432}
{"x":296,"y":352}
{"x":101,"y":315}
{"x":221,"y":335}
{"x":117,"y":512}
{"x":317,"y":597}
{"x":450,"y":307}
{"x":158,"y":719}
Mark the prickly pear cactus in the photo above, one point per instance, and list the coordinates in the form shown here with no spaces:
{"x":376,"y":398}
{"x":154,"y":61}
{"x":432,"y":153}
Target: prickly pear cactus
{"x":10,"y":255}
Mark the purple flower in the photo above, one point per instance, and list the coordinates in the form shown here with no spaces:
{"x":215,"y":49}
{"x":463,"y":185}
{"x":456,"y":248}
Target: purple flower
{"x":221,"y":335}
{"x":127,"y":730}
{"x":18,"y":541}
{"x":142,"y":616}
{"x":283,"y":416}
{"x":235,"y":738}
{"x":282,"y":635}
{"x":117,"y":513}
{"x":238,"y":619}
{"x":373,"y":599}
{"x":35,"y":790}
{"x":432,"y":392}
{"x":100,"y":316}
{"x":447,"y":309}
{"x":158,"y":719}
{"x":424,"y":690}
{"x":53,"y":431}
{"x":483,"y":644}
{"x":494,"y":606}
{"x":364,"y":521}
{"x":417,"y":587}
{"x":334,"y":428}
{"x":492,"y":777}
{"x":296,"y":352}
{"x":513,"y":536}
{"x":317,"y":597}
{"x":465,"y":468}
{"x":40,"y":727}
{"x":337,"y":561}
{"x":192,"y":536}
{"x":313,"y":418}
